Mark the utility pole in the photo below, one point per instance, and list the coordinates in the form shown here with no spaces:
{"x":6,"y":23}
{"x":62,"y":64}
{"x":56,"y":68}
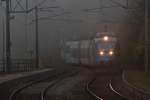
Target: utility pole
{"x":3,"y":45}
{"x":37,"y":37}
{"x":8,"y":48}
{"x":8,"y":42}
{"x":26,"y":29}
{"x":146,"y":37}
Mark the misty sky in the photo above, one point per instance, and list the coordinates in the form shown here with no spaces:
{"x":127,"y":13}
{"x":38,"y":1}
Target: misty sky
{"x":80,"y":24}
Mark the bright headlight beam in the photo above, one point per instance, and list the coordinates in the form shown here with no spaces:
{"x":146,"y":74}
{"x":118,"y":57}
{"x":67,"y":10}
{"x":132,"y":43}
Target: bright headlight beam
{"x":111,"y":53}
{"x":101,"y":53}
{"x":105,"y":38}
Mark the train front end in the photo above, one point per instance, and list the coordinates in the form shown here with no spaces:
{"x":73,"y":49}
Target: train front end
{"x":105,"y":48}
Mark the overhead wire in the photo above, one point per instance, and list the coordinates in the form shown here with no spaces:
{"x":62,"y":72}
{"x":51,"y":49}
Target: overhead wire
{"x":18,"y":3}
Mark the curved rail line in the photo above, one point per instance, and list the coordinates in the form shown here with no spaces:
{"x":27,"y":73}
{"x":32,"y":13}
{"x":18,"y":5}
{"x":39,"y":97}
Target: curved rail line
{"x":18,"y":89}
{"x":43,"y":91}
{"x":91,"y":92}
{"x":111,"y":88}
{"x":25,"y":85}
{"x":116,"y":92}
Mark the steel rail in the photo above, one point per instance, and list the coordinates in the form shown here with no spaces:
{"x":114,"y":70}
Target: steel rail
{"x":116,"y":92}
{"x":26,"y":85}
{"x":90,"y":91}
{"x":111,"y":88}
{"x":44,"y":90}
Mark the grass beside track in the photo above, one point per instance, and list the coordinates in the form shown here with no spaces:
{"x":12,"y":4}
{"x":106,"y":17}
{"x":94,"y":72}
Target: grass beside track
{"x":139,"y":79}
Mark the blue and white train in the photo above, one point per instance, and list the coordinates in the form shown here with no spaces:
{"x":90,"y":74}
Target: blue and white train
{"x":100,"y":49}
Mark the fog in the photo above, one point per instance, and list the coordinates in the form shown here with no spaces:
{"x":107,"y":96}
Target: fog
{"x":77,"y":24}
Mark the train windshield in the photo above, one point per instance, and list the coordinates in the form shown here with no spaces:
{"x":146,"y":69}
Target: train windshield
{"x":105,"y":39}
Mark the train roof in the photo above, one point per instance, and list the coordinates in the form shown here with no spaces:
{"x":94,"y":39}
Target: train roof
{"x":101,"y":34}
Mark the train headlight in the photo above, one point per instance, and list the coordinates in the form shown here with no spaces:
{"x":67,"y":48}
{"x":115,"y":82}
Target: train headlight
{"x":101,"y":53}
{"x":111,"y":53}
{"x":105,"y":38}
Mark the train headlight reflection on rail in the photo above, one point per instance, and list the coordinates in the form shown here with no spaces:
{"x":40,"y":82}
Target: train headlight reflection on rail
{"x":111,"y":53}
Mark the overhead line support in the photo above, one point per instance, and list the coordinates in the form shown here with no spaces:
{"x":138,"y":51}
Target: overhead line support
{"x":8,"y":46}
{"x":37,"y":37}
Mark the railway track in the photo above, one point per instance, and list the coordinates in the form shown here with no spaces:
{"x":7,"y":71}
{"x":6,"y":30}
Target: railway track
{"x":38,"y":89}
{"x":43,"y":85}
{"x":91,"y":92}
{"x":111,"y":93}
{"x":122,"y":97}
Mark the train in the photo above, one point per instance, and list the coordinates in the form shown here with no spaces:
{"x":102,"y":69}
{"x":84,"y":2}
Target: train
{"x":101,"y":49}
